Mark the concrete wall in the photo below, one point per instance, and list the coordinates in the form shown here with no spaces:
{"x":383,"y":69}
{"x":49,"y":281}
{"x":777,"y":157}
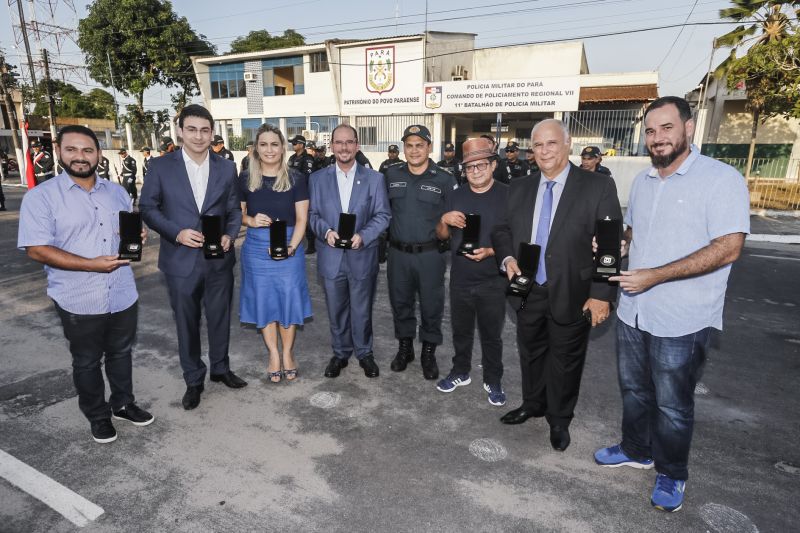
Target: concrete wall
{"x":562,"y":59}
{"x":736,"y":123}
{"x":624,"y":170}
{"x":443,"y":59}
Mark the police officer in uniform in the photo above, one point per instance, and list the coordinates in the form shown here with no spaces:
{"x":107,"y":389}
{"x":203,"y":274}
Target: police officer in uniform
{"x":512,"y":167}
{"x":362,"y":160}
{"x":104,"y":167}
{"x":146,"y":160}
{"x":533,"y":168}
{"x":301,"y":161}
{"x":218,"y":147}
{"x":245,"y":165}
{"x":43,"y":163}
{"x":394,"y":159}
{"x":167,"y":146}
{"x":320,"y":159}
{"x":591,"y":157}
{"x":417,"y":193}
{"x":128,"y":174}
{"x":451,"y":164}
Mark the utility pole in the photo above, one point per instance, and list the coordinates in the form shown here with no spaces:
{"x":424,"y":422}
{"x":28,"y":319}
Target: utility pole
{"x":24,"y":30}
{"x":50,"y":107}
{"x":113,"y":90}
{"x":12,"y":115}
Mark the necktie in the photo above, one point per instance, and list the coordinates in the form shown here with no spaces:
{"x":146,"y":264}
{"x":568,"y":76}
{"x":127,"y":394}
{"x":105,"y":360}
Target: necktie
{"x":543,"y":230}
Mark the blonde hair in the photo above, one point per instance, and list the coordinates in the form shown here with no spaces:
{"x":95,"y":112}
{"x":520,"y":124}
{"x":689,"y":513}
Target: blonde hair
{"x":255,"y":180}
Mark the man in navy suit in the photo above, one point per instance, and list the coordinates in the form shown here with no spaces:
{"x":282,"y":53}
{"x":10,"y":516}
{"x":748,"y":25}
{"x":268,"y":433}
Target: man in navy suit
{"x":181,"y":187}
{"x":349,"y":276}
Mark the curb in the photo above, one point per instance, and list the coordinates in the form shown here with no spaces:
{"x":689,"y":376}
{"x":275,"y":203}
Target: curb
{"x":781,"y":239}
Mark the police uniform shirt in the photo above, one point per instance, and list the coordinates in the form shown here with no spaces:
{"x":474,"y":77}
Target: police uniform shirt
{"x":103,"y":167}
{"x":603,"y":170}
{"x":43,"y":163}
{"x":389,"y":163}
{"x":321,"y":162}
{"x":245,"y":163}
{"x":146,"y":165}
{"x":517,"y":169}
{"x":304,"y":163}
{"x":227,"y":154}
{"x":362,"y":160}
{"x":129,"y":167}
{"x":417,"y":202}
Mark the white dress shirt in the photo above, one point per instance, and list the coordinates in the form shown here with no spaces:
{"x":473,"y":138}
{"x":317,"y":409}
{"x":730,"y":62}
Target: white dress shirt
{"x":344,"y":180}
{"x":198,"y":178}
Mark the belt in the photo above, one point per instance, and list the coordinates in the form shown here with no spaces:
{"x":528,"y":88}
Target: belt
{"x":415,"y":247}
{"x":44,"y":173}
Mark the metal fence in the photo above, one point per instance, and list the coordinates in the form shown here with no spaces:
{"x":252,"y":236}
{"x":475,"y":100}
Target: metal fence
{"x":375,"y":134}
{"x":773,"y":184}
{"x":617,"y":131}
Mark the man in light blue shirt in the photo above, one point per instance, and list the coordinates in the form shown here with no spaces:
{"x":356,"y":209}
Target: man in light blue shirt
{"x":686,"y":223}
{"x":71,"y":224}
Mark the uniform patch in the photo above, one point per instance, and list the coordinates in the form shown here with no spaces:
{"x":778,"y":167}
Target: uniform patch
{"x":396,"y":184}
{"x":431,"y":188}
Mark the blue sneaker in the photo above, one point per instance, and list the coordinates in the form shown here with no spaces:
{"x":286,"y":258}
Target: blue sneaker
{"x":614,"y":456}
{"x":496,"y":394}
{"x":453,"y":381}
{"x":668,"y":494}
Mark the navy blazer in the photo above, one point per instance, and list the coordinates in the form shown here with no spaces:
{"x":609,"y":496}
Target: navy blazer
{"x":167,"y":206}
{"x":368,"y":202}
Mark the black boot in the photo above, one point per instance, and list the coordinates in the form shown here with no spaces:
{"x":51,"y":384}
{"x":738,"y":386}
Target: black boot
{"x":405,"y":354}
{"x":430,"y":370}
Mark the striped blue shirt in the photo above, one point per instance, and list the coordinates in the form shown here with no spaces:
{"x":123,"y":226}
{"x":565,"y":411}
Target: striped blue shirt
{"x":61,"y":214}
{"x":672,"y":218}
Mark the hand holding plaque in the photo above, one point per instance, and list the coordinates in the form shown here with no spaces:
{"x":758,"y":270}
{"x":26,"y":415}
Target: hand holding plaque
{"x":528,"y":261}
{"x":278,"y":248}
{"x":471,"y":235}
{"x":212,"y":236}
{"x":130,"y":236}
{"x":346,"y":230}
{"x":608,"y":234}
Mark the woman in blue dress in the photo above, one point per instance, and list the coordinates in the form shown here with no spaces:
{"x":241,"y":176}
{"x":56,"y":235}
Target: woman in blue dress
{"x":274,"y":293}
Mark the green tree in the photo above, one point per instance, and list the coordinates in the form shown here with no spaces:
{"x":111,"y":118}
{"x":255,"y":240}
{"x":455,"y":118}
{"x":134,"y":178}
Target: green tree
{"x":769,"y":68}
{"x":258,"y":40}
{"x":145,"y":41}
{"x":144,"y":123}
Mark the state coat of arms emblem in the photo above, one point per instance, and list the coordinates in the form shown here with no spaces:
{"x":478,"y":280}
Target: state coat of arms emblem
{"x":433,"y":97}
{"x":380,"y":69}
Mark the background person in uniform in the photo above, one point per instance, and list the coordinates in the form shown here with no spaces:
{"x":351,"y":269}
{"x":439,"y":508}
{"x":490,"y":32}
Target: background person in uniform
{"x":451,"y":164}
{"x":303,"y":163}
{"x":245,"y":164}
{"x":103,"y":167}
{"x":477,"y":291}
{"x":167,"y":146}
{"x":71,"y":225}
{"x":218,"y":147}
{"x":530,"y":158}
{"x":392,"y":159}
{"x":512,"y":167}
{"x":43,"y":163}
{"x":687,"y":219}
{"x":418,"y":190}
{"x":556,"y":209}
{"x":320,"y":159}
{"x":349,"y":277}
{"x":274,"y":293}
{"x":146,"y":160}
{"x":183,"y":186}
{"x":127,"y":175}
{"x":591,"y":159}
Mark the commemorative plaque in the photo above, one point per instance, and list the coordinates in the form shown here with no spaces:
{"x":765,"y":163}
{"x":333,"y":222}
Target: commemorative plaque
{"x":528,"y":262}
{"x":130,"y":236}
{"x":346,"y":230}
{"x":278,"y":248}
{"x":608,"y":233}
{"x":212,"y":236}
{"x":471,"y":235}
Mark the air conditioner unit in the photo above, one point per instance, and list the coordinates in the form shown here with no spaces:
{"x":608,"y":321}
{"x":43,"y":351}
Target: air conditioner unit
{"x":457,"y":78}
{"x":249,"y":76}
{"x":459,"y":73}
{"x":310,"y":135}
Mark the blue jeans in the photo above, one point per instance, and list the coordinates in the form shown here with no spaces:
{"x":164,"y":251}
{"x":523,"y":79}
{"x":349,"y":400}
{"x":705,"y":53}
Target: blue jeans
{"x":657,"y":377}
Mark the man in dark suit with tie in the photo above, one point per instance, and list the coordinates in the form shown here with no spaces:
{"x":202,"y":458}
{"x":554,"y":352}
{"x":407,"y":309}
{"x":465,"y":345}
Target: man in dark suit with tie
{"x":557,"y":209}
{"x":349,"y":276}
{"x":181,"y":187}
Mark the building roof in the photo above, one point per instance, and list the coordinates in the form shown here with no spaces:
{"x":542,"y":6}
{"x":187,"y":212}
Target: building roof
{"x":619,"y":93}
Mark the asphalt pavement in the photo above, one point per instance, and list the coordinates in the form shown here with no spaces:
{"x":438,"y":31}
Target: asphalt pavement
{"x":391,"y":454}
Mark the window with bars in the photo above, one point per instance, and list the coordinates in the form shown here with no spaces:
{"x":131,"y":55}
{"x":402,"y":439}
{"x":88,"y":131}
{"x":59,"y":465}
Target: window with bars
{"x":295,"y":126}
{"x":318,"y":62}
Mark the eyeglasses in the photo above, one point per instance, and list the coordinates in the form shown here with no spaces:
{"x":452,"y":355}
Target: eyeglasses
{"x":476,"y":167}
{"x":348,"y":142}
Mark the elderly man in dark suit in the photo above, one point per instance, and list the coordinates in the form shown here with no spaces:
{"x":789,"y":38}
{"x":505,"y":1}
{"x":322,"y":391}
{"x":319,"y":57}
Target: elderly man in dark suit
{"x":556,"y":209}
{"x":181,"y":187}
{"x":349,"y":276}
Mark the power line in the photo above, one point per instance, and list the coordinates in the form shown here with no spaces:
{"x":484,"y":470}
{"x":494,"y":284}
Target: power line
{"x":677,"y":36}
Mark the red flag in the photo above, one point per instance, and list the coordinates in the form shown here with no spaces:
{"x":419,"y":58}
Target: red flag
{"x":29,"y":175}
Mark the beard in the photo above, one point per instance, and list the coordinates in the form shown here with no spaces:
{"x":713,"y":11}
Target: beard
{"x":74,"y":172}
{"x":663,"y":161}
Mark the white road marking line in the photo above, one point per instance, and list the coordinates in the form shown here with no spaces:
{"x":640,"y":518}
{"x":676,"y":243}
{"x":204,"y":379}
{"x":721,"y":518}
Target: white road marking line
{"x":775,"y":257}
{"x":70,"y":505}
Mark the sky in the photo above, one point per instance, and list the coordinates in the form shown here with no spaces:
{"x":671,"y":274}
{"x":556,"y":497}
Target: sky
{"x":679,"y":53}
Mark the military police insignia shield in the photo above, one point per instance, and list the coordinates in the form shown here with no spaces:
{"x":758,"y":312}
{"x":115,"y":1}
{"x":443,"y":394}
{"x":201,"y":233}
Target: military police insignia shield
{"x":433,"y":97}
{"x":380,"y":69}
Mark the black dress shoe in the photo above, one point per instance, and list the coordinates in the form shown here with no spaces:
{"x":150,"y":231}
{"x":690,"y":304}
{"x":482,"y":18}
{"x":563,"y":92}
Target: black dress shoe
{"x":559,"y":438}
{"x":430,"y":370}
{"x":192,"y":397}
{"x":405,"y":354}
{"x":335,"y":365}
{"x":230,"y":380}
{"x":520,"y":415}
{"x":371,"y":369}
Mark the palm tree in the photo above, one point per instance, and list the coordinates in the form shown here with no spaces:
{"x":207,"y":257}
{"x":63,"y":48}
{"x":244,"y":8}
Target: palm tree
{"x":764,"y":22}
